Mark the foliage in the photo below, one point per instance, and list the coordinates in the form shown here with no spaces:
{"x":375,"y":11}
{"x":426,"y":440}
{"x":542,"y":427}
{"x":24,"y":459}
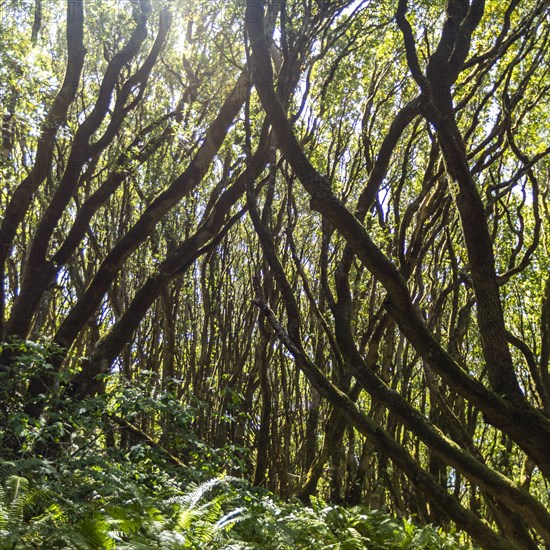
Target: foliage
{"x":223,"y":513}
{"x":87,"y":495}
{"x":304,"y":243}
{"x":74,"y":427}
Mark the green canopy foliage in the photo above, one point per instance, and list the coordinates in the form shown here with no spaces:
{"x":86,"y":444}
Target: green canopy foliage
{"x":302,"y":243}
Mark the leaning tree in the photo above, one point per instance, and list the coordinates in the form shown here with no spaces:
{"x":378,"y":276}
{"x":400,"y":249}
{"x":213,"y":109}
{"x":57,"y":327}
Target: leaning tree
{"x":327,"y":221}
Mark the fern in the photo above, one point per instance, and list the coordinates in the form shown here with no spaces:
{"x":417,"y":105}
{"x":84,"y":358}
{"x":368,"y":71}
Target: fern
{"x":91,"y":533}
{"x":19,"y":507}
{"x":223,"y":513}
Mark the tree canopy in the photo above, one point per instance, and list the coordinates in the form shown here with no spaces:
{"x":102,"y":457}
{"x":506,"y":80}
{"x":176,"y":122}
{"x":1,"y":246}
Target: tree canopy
{"x":319,"y":228}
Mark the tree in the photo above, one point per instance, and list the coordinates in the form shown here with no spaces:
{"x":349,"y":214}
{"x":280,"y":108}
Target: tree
{"x":357,"y":189}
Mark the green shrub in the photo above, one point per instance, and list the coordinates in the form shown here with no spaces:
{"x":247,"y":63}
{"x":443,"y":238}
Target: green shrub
{"x":63,"y":485}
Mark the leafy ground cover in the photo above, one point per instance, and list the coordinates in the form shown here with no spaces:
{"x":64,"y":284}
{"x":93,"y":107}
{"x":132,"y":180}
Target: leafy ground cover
{"x":94,"y":504}
{"x":75,"y":478}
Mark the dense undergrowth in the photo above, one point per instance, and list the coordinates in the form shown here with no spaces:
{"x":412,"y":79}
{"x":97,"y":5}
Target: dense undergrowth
{"x":74,"y":479}
{"x":109,"y":506}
